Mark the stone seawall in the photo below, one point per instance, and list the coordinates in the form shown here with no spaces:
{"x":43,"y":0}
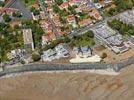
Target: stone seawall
{"x":58,"y":67}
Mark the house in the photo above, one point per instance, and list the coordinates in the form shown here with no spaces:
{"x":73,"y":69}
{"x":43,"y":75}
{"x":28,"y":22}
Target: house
{"x":36,"y":6}
{"x":64,"y":5}
{"x":105,"y":2}
{"x":98,"y":5}
{"x":83,"y":52}
{"x":35,"y":17}
{"x":95,"y":13}
{"x":56,"y":21}
{"x":28,"y":38}
{"x":78,"y":10}
{"x":85,"y":22}
{"x":9,"y":11}
{"x":48,"y":38}
{"x":71,"y":19}
{"x":61,"y":33}
{"x":42,"y":15}
{"x":48,"y":1}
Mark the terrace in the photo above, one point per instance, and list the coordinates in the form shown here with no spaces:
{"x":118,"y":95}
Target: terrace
{"x":127,"y":17}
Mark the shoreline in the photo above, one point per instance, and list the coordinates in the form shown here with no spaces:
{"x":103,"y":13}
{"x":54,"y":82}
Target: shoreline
{"x":93,"y":68}
{"x":99,"y":72}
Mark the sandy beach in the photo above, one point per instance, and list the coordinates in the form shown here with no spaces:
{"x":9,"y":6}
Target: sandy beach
{"x":81,"y":85}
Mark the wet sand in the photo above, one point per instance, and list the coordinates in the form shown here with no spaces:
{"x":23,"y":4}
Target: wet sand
{"x":69,"y":86}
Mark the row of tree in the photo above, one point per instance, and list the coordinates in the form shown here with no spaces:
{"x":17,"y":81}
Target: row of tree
{"x":7,"y":18}
{"x":36,"y":29}
{"x":76,"y":41}
{"x":121,"y":5}
{"x":124,"y":29}
{"x":83,"y":40}
{"x":9,"y":39}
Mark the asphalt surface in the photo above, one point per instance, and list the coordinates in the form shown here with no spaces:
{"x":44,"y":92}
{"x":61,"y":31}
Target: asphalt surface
{"x":18,"y":4}
{"x":60,"y":67}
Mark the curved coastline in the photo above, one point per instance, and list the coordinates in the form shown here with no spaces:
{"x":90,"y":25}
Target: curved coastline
{"x":63,"y":67}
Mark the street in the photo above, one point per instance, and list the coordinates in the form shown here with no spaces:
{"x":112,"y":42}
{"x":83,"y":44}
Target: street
{"x":18,"y":4}
{"x":44,"y":8}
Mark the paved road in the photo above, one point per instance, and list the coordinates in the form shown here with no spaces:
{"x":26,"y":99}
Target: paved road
{"x":60,"y":67}
{"x":18,"y":4}
{"x":44,"y":8}
{"x":10,"y":3}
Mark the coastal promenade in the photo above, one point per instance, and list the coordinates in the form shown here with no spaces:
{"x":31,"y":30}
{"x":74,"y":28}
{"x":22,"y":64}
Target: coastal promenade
{"x":61,"y":67}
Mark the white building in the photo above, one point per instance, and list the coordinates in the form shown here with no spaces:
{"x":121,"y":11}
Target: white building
{"x":60,"y":51}
{"x":110,"y":38}
{"x":28,"y":38}
{"x":49,"y":55}
{"x":83,"y":52}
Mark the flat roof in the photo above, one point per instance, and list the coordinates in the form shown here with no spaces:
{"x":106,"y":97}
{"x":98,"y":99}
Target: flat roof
{"x":27,"y":35}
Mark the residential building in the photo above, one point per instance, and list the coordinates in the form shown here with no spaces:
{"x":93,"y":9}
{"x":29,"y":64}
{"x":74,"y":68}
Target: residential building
{"x":110,"y":38}
{"x":71,"y":19}
{"x":60,"y":51}
{"x":9,"y":11}
{"x":83,"y":52}
{"x":64,"y":5}
{"x":85,"y":22}
{"x":95,"y":13}
{"x":46,"y":39}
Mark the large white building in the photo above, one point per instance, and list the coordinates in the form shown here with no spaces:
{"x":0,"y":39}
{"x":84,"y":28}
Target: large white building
{"x":110,"y":38}
{"x":28,"y":38}
{"x":60,"y":51}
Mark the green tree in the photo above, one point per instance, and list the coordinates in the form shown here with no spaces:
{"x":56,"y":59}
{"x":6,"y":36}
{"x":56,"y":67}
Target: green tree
{"x":104,"y":55}
{"x":6,"y":18}
{"x":59,"y":2}
{"x":17,"y":14}
{"x":36,"y":57}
